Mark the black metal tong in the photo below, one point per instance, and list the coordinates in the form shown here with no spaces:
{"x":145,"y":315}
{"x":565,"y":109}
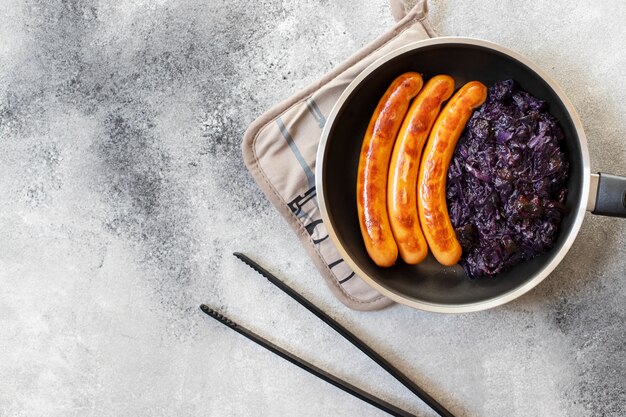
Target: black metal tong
{"x":347,"y":387}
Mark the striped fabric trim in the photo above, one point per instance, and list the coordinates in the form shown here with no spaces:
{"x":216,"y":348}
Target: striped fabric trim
{"x":316,"y":112}
{"x":296,"y":152}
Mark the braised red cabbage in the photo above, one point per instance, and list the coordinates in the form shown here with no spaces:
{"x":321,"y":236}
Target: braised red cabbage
{"x":506,"y":185}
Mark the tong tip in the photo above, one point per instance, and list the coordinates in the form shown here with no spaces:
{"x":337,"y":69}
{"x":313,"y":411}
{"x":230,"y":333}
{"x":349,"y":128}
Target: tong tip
{"x":217,"y":316}
{"x":258,"y":268}
{"x":240,"y":256}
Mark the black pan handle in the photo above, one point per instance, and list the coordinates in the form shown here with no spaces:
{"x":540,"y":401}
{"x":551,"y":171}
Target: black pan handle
{"x":610,"y":195}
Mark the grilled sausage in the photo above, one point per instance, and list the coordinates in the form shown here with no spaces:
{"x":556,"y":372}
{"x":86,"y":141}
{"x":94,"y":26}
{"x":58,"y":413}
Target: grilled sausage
{"x":404,"y":167}
{"x":431,"y":185}
{"x":371,"y":188}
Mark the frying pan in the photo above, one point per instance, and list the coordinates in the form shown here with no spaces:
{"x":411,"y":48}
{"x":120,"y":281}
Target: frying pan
{"x":430,"y":286}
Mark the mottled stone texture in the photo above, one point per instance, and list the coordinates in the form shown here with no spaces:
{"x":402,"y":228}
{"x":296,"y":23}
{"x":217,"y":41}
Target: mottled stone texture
{"x":124,"y":194}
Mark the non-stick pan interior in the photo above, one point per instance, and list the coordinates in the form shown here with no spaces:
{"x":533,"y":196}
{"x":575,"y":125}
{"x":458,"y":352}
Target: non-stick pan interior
{"x":429,"y":282}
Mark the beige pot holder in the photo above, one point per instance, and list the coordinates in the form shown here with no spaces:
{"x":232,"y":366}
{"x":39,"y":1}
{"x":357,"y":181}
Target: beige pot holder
{"x":279,"y":149}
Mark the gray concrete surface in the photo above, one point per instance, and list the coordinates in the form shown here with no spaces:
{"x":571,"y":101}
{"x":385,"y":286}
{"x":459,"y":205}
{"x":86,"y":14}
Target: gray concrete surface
{"x":124,"y":194}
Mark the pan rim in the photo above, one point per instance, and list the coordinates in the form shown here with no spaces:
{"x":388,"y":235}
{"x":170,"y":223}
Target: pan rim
{"x":495,"y":300}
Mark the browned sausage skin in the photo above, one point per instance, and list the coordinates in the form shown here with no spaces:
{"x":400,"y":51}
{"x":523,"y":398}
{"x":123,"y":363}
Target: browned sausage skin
{"x":404,"y":168}
{"x":432,"y":208}
{"x":374,"y":165}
